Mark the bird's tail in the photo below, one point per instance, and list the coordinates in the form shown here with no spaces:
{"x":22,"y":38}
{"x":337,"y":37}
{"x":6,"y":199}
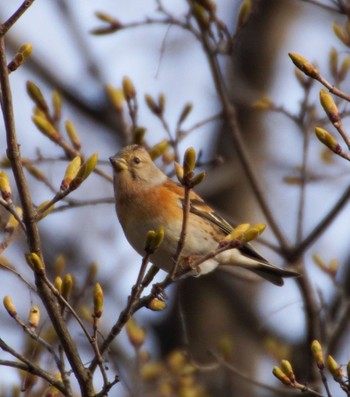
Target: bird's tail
{"x":272,"y":273}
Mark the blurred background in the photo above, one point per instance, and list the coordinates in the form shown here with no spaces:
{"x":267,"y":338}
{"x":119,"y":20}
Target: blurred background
{"x":257,"y":323}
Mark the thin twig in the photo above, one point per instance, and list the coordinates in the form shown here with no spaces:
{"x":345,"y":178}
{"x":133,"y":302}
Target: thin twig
{"x":7,"y":25}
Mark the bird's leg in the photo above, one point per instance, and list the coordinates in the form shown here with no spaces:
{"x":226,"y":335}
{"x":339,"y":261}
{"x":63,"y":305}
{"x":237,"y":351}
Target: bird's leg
{"x":187,"y":265}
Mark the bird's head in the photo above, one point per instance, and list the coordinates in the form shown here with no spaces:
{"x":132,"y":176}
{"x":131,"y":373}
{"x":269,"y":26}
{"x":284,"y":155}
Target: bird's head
{"x":133,"y":166}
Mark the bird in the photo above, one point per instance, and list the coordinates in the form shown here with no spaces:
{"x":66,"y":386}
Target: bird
{"x":147,"y":199}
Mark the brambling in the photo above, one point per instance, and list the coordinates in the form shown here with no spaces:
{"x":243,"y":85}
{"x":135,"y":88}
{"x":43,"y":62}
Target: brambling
{"x":146,"y":199}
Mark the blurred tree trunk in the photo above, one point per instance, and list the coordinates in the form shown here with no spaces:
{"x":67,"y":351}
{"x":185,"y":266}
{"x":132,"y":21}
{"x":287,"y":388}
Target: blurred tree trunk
{"x":214,"y":308}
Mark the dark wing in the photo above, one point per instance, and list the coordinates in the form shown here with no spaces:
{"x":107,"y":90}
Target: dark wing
{"x":198,"y":207}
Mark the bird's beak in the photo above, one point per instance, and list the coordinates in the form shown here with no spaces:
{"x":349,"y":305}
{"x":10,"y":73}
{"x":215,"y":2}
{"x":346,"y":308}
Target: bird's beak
{"x":119,"y":164}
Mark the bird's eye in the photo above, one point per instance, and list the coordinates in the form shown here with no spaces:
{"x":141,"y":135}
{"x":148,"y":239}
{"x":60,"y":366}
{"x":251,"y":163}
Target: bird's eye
{"x":136,"y":160}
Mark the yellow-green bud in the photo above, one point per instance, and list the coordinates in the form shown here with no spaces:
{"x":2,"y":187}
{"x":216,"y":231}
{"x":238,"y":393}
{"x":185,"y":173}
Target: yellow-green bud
{"x":317,"y":352}
{"x":58,"y":284}
{"x":161,"y":103}
{"x":201,"y":16}
{"x":153,"y":240}
{"x":189,"y":161}
{"x":158,"y":149}
{"x":244,"y":13}
{"x":197,"y":179}
{"x":156,"y":305}
{"x":22,"y":55}
{"x":46,"y":127}
{"x":84,"y":171}
{"x":344,"y":69}
{"x":281,"y":376}
{"x":329,"y":106}
{"x":56,"y":104}
{"x":34,"y":316}
{"x":67,"y":286}
{"x":37,"y":97}
{"x":327,"y":139}
{"x":333,"y":61}
{"x":138,"y":135}
{"x":5,"y":188}
{"x":72,"y":135}
{"x":288,"y":370}
{"x":151,"y":103}
{"x":179,"y":171}
{"x":253,"y":232}
{"x":151,"y":371}
{"x":136,"y":334}
{"x":128,"y":89}
{"x":116,"y":97}
{"x":71,"y":172}
{"x":237,"y":233}
{"x":304,"y":65}
{"x":98,"y":300}
{"x":185,"y":112}
{"x":264,"y":103}
{"x":334,"y":368}
{"x":35,"y":262}
{"x":12,"y":222}
{"x":342,"y":34}
{"x":9,"y":306}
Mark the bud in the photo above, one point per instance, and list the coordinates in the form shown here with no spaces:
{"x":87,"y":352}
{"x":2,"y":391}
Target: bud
{"x":328,"y":140}
{"x":153,"y":240}
{"x":179,"y":171}
{"x":138,"y":135}
{"x":197,"y":179}
{"x":189,"y":162}
{"x":58,"y":284}
{"x":9,"y":306}
{"x":151,"y":371}
{"x":329,"y":107}
{"x":344,"y":69}
{"x":5,"y":188}
{"x":225,"y":347}
{"x":281,"y":376}
{"x":317,"y":352}
{"x":84,"y":171}
{"x":72,"y":135}
{"x":36,"y":96}
{"x":288,"y":370}
{"x":237,"y":233}
{"x":35,"y":262}
{"x":334,"y":368}
{"x":116,"y":97}
{"x":135,"y":333}
{"x":333,"y":62}
{"x":201,"y":16}
{"x":185,"y":112}
{"x":67,"y":286}
{"x":71,"y":172}
{"x":34,"y":317}
{"x":156,"y":305}
{"x":12,"y":222}
{"x":342,"y":35}
{"x":128,"y":89}
{"x":56,"y":104}
{"x":153,"y":107}
{"x":264,"y":103}
{"x":22,"y":55}
{"x":98,"y":301}
{"x":304,"y":65}
{"x":44,"y":126}
{"x":158,"y":149}
{"x":161,"y":103}
{"x":244,"y":13}
{"x":253,"y":232}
